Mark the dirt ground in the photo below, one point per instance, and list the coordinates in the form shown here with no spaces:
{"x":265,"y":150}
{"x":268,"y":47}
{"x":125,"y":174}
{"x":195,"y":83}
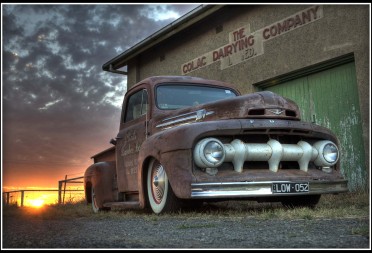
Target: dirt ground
{"x":245,"y":232}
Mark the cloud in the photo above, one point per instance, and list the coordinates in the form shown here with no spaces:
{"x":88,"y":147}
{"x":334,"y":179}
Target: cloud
{"x":58,"y":104}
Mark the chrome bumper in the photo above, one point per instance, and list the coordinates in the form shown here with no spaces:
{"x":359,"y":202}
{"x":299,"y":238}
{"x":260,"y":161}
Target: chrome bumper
{"x":261,"y":189}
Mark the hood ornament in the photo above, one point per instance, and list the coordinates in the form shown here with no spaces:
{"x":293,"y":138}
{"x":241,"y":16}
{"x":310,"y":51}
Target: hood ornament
{"x":276,"y":111}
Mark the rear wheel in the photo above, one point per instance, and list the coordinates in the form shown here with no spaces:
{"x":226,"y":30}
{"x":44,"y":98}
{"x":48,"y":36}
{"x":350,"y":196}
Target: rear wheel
{"x":301,"y":201}
{"x":94,"y":202}
{"x":95,"y":206}
{"x":160,"y":194}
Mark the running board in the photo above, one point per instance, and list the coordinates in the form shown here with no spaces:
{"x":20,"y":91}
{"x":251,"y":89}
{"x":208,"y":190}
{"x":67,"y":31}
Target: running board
{"x":123,"y":205}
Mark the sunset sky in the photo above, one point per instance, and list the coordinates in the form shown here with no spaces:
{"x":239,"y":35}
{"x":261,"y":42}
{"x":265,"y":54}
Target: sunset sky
{"x":58,"y":107}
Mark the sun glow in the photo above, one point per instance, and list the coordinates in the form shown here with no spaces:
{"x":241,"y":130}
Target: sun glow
{"x":36,"y":203}
{"x":37,"y":197}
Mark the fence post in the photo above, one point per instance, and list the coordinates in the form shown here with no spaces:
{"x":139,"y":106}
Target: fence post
{"x":59,"y":192}
{"x":22,"y":197}
{"x":7,"y":198}
{"x":64,"y":190}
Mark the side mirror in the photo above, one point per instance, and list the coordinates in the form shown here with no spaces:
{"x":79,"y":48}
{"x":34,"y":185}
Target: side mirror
{"x":113,"y":142}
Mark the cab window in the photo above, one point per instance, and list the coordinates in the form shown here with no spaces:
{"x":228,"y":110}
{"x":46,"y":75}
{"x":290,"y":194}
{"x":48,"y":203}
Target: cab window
{"x":137,"y":105}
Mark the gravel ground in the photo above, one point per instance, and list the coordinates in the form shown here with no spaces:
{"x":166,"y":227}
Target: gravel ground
{"x":181,"y":233}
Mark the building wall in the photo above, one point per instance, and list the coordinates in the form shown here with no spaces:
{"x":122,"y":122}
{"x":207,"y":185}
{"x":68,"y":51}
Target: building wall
{"x":329,"y":32}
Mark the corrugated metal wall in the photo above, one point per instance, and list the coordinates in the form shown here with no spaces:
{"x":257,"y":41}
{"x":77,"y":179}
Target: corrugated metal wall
{"x":330,"y":98}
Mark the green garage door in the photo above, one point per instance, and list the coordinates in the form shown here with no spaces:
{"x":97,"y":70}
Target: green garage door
{"x":330,"y":98}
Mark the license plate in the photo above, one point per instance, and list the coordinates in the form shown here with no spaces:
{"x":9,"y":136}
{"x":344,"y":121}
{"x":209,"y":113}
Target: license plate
{"x":290,"y":187}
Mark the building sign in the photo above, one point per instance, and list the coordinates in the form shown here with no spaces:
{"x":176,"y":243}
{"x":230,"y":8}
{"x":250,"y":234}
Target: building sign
{"x":244,"y":45}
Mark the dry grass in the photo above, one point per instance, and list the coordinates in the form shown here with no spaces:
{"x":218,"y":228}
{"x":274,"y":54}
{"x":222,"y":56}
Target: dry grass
{"x":348,"y":205}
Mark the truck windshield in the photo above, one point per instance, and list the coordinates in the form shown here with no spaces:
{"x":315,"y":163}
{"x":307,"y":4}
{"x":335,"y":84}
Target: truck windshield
{"x":175,"y":96}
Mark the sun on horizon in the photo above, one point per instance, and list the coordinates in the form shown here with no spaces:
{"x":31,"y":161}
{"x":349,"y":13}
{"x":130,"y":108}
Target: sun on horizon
{"x":37,"y":197}
{"x":35,"y":203}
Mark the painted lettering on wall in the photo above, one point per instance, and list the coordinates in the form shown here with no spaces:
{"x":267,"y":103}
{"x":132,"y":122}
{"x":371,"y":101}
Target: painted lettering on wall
{"x":244,"y":45}
{"x":295,"y":21}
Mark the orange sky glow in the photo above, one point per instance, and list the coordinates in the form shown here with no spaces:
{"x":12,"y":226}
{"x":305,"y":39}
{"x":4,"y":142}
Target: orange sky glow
{"x":40,"y":178}
{"x":59,"y":106}
{"x":40,"y":196}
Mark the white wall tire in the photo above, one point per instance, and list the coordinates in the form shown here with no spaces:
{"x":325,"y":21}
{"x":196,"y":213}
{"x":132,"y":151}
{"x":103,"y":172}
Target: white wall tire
{"x":160,"y":194}
{"x":95,"y":207}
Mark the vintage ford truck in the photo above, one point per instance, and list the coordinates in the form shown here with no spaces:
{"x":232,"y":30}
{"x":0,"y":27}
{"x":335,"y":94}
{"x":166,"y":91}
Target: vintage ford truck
{"x":184,"y":140}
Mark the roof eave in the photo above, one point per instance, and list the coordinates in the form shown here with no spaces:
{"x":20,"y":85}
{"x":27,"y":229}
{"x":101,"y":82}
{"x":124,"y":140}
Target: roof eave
{"x":173,"y":28}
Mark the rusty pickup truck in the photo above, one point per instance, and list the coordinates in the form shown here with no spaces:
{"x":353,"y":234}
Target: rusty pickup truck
{"x":184,"y":140}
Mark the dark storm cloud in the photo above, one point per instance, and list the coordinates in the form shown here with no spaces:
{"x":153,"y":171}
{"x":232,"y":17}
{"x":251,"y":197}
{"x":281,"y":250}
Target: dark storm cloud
{"x":58,"y":104}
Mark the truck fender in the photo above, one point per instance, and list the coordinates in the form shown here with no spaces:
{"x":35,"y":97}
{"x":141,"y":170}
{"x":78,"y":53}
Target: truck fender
{"x":101,"y":177}
{"x":152,"y":149}
{"x":144,"y":157}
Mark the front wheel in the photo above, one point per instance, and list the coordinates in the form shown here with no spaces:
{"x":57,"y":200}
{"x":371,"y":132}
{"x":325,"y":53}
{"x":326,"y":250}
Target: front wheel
{"x":160,"y":194}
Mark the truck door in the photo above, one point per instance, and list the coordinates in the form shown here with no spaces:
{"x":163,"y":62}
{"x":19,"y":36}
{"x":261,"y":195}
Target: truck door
{"x":130,"y":138}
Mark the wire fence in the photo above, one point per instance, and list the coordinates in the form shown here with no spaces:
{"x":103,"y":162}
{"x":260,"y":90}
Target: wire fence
{"x":69,"y":191}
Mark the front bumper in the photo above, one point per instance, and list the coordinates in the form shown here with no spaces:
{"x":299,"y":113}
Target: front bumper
{"x":260,"y":189}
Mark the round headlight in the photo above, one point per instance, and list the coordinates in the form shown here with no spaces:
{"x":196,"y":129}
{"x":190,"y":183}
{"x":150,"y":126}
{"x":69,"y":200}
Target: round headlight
{"x":213,"y":152}
{"x":330,"y":153}
{"x":209,"y":153}
{"x":327,"y":154}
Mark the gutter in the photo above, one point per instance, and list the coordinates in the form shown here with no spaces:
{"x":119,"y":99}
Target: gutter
{"x":173,"y":28}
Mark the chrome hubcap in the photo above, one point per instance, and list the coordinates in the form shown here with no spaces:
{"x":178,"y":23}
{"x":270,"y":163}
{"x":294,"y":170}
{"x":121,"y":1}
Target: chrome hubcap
{"x":158,"y":182}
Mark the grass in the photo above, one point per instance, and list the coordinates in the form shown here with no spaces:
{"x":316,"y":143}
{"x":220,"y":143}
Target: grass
{"x":348,"y":205}
{"x":363,"y":230}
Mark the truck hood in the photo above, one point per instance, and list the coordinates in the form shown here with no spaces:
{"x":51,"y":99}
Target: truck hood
{"x":265,"y":104}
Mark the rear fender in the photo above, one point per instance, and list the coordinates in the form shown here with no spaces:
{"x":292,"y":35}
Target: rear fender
{"x":101,"y":176}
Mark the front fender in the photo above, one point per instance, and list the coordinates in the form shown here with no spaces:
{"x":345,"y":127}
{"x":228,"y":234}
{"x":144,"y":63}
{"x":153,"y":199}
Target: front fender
{"x":172,"y":148}
{"x":183,"y":137}
{"x":101,"y":177}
